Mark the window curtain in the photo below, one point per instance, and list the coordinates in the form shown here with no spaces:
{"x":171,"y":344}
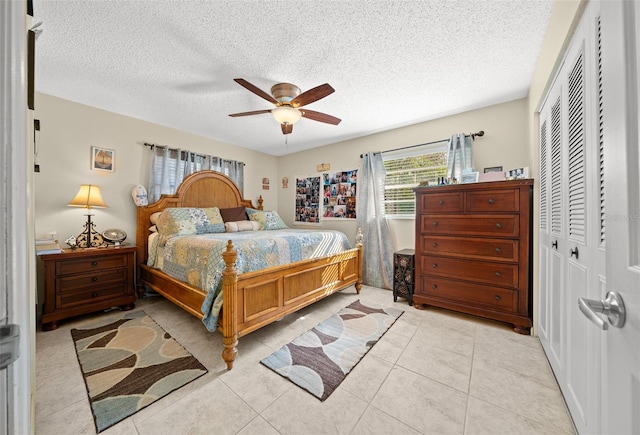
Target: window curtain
{"x":377,"y":247}
{"x":459,"y":155}
{"x":169,"y":166}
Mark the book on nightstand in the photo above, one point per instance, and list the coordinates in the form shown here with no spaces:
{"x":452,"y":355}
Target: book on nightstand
{"x":51,"y":247}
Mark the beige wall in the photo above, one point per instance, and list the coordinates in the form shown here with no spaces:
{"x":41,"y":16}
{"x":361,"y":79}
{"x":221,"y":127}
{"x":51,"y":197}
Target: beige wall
{"x":69,"y":130}
{"x":504,"y":144}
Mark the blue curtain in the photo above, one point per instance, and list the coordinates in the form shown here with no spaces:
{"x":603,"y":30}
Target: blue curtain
{"x":169,"y":166}
{"x":377,"y":246}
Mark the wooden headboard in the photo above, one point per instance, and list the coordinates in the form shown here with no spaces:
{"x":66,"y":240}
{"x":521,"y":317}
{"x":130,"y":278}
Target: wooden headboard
{"x":201,"y":189}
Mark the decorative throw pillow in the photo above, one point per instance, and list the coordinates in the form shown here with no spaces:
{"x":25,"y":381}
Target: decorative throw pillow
{"x":234,"y":214}
{"x":154,"y":217}
{"x":234,"y":227}
{"x":268,"y":220}
{"x":185,"y":220}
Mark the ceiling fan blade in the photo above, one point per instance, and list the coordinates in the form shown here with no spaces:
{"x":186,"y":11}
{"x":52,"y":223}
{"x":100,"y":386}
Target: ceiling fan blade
{"x":312,"y":95}
{"x":286,"y":128}
{"x":256,"y":90}
{"x":255,"y":112}
{"x":319,"y":116}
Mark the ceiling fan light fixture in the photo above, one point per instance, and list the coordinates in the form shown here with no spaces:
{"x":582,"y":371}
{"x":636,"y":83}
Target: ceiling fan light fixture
{"x":286,"y":115}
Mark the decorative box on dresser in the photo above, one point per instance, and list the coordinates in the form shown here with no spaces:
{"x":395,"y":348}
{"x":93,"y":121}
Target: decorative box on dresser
{"x":86,"y":280}
{"x":474,"y":250}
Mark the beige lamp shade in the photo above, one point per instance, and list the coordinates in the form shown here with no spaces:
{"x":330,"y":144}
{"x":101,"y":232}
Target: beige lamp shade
{"x":88,"y":196}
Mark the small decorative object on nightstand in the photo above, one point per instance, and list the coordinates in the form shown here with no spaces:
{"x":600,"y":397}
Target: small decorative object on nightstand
{"x":82,"y":281}
{"x":403,"y":275}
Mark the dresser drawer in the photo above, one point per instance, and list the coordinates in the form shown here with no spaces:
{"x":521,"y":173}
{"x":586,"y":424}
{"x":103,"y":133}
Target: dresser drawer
{"x":493,"y":200}
{"x":477,"y":225}
{"x":471,"y":247}
{"x":502,"y":274}
{"x":441,"y":202}
{"x":494,"y":298}
{"x":88,"y":296}
{"x":85,"y":264}
{"x":91,"y":280}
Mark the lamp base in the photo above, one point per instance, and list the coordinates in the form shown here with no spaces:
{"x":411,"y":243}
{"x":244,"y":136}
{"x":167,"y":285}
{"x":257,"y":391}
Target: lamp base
{"x":90,"y":238}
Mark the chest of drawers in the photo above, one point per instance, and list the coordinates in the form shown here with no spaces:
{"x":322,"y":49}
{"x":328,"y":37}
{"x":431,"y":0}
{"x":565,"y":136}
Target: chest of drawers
{"x":87,"y":280}
{"x":473,"y":250}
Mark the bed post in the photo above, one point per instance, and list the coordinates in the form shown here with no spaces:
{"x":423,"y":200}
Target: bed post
{"x":229,"y":315}
{"x":359,"y":237}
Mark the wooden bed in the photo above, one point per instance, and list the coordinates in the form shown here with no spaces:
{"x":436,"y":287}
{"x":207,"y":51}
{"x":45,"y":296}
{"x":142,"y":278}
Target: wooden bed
{"x":253,"y":299}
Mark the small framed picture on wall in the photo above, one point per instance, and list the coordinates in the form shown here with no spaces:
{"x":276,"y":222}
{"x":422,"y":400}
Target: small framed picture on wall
{"x":103,"y":159}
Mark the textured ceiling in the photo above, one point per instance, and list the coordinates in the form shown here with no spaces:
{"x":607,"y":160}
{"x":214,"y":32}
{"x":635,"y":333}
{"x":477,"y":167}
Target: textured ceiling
{"x":392,"y":63}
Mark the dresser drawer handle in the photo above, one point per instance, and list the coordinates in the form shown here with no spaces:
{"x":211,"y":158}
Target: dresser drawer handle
{"x":498,"y":274}
{"x":498,"y":250}
{"x":94,"y":263}
{"x":94,"y":294}
{"x":435,"y":265}
{"x":435,"y":286}
{"x":435,"y":223}
{"x":498,"y":225}
{"x":94,"y":278}
{"x":441,"y":202}
{"x":491,"y":201}
{"x":498,"y":298}
{"x":435,"y":244}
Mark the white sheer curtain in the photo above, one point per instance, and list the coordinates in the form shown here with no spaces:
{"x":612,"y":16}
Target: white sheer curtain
{"x":377,"y":246}
{"x":459,"y":155}
{"x":169,"y":166}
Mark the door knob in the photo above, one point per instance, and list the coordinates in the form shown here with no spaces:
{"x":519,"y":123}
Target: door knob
{"x":574,"y":252}
{"x":612,"y":307}
{"x":554,"y":244}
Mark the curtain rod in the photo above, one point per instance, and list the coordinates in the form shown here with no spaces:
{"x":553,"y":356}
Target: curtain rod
{"x":473,"y":137}
{"x":153,"y":145}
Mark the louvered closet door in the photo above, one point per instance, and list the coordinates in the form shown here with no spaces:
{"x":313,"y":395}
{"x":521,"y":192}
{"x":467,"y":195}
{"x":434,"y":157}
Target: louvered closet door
{"x":571,"y":231}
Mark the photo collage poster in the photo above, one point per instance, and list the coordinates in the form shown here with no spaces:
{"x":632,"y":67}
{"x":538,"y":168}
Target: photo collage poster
{"x":307,"y":200}
{"x":339,"y":194}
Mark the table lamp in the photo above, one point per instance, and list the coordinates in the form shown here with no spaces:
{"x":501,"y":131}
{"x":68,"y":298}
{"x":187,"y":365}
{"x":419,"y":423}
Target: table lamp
{"x":89,"y":196}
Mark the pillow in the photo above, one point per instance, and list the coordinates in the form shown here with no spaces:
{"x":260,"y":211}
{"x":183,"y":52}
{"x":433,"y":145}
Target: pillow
{"x":234,"y":227}
{"x":154,"y":217}
{"x":153,"y":229}
{"x":234,"y":214}
{"x":185,"y":220}
{"x":268,"y":220}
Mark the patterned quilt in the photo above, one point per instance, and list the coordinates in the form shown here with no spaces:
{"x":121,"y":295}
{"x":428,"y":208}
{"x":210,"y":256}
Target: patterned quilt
{"x":198,"y":261}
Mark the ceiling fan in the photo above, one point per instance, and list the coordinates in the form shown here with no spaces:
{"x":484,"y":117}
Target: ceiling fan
{"x":288,"y":100}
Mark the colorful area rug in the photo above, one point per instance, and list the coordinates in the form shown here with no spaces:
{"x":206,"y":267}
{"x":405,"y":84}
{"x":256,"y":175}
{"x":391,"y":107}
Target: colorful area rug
{"x":129,"y":363}
{"x":321,"y":358}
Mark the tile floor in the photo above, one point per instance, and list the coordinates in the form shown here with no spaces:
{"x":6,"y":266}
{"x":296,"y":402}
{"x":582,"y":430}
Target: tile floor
{"x":433,"y":372}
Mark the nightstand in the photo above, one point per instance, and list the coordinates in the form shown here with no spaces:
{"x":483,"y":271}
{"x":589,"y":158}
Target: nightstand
{"x":86,"y":280}
{"x":403,"y":267}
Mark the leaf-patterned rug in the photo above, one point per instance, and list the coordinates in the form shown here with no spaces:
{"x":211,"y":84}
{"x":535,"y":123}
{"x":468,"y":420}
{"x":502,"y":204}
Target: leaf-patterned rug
{"x":321,"y":358}
{"x":128,"y":363}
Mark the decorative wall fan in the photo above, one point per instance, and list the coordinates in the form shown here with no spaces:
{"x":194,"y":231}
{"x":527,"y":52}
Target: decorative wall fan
{"x":289,"y":100}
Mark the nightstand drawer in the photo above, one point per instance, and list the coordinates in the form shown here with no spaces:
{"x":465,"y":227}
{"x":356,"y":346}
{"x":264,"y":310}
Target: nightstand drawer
{"x":88,"y":296}
{"x":82,"y":265}
{"x":97,"y":279}
{"x":493,"y":200}
{"x":503,"y":274}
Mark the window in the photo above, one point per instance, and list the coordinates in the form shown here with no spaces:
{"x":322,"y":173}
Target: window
{"x":405,"y":170}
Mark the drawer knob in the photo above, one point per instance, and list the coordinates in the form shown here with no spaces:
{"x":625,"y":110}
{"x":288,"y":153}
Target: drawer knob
{"x":498,"y":250}
{"x":435,"y":265}
{"x":435,"y":286}
{"x":498,"y":274}
{"x":435,"y":223}
{"x":497,"y":298}
{"x":94,"y":294}
{"x":434,"y":244}
{"x":498,"y":225}
{"x":94,"y":279}
{"x":491,"y":201}
{"x":94,"y":263}
{"x":441,"y":202}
